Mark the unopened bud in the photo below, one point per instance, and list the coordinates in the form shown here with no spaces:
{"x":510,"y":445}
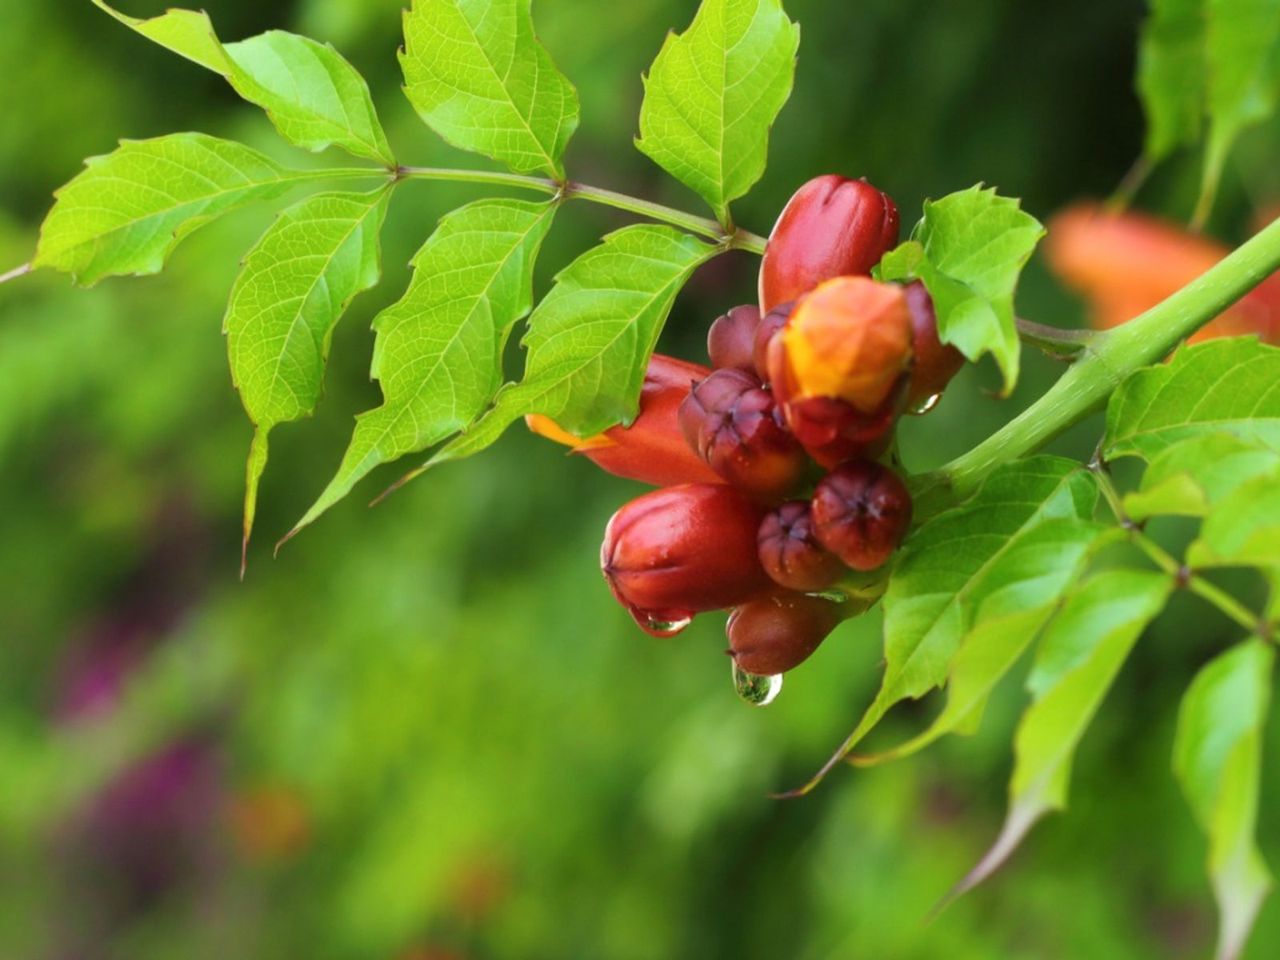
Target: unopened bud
{"x":861,"y":512}
{"x":934,"y":363}
{"x":682,"y":550}
{"x":776,"y":633}
{"x":732,"y":423}
{"x":791,"y":554}
{"x":831,"y":227}
{"x":732,"y":338}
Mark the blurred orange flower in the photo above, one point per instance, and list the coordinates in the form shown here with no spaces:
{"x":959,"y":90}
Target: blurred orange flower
{"x":1125,"y":263}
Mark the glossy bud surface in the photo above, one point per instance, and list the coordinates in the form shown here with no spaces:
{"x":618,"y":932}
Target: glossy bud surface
{"x":861,"y":512}
{"x":682,"y":550}
{"x":773,"y":634}
{"x":791,"y":554}
{"x":732,"y":338}
{"x":934,"y":363}
{"x":732,"y":424}
{"x":831,"y":227}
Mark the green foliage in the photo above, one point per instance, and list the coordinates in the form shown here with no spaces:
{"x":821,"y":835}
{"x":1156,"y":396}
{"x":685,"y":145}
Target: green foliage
{"x":713,"y":93}
{"x":478,"y":76}
{"x":987,"y":548}
{"x":130,"y":208}
{"x":438,"y":353}
{"x":969,"y":249}
{"x":1219,"y":386}
{"x":590,"y":339}
{"x":314,"y":97}
{"x":1187,"y":477}
{"x":1214,"y":60}
{"x":1244,"y":528}
{"x":295,"y":284}
{"x":1217,"y":756}
{"x":1021,"y":590}
{"x":1079,"y":656}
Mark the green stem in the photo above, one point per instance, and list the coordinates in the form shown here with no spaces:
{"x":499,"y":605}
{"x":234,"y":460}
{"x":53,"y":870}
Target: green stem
{"x":1055,"y":341}
{"x":704,"y":226}
{"x":1228,"y":605}
{"x":1110,"y":357}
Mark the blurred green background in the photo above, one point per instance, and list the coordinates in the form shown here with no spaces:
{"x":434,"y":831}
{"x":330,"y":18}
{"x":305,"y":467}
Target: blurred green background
{"x":426,"y":731}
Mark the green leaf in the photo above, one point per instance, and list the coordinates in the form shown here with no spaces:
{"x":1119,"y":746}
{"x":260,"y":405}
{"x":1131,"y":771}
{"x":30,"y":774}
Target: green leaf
{"x":438,"y":352}
{"x":969,"y":249}
{"x":952,"y":563}
{"x":1081,"y":652}
{"x":590,"y":340}
{"x":1243,"y":529}
{"x":1021,"y":592}
{"x":478,"y":77}
{"x":127,"y":210}
{"x":1222,"y":386}
{"x":1217,"y":757}
{"x":1171,"y":75}
{"x":1186,"y":478}
{"x":294,"y":285}
{"x":713,"y":93}
{"x":314,"y":97}
{"x":1243,"y":50}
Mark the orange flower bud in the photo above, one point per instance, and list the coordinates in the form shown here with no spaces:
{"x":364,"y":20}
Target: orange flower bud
{"x":680,"y":551}
{"x":831,"y":227}
{"x":653,"y":449}
{"x":1123,"y":264}
{"x":776,"y":633}
{"x":850,"y":339}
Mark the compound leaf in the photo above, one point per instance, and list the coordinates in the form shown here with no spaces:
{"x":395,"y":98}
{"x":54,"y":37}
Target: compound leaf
{"x":1186,"y":478}
{"x":713,"y":93}
{"x":312,"y":95}
{"x":293,"y":287}
{"x":1222,"y":386}
{"x":128,"y":209}
{"x":969,"y":249}
{"x":1217,"y":757}
{"x":438,"y":351}
{"x":1080,"y":654}
{"x":590,"y":339}
{"x":477,"y":75}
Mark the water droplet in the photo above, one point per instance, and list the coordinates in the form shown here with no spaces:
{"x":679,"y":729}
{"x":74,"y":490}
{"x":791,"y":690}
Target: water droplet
{"x":657,"y":627}
{"x":927,"y":404}
{"x":754,"y":689}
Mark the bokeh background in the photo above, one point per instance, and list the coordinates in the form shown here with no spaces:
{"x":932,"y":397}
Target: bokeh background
{"x":425,"y":732}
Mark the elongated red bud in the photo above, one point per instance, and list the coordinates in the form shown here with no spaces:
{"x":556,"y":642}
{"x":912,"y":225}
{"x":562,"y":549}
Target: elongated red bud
{"x":935,"y":363}
{"x":653,"y":449}
{"x":776,"y":633}
{"x":732,"y":338}
{"x":861,"y":512}
{"x":791,"y":554}
{"x":831,"y":227}
{"x":676,"y":552}
{"x":732,"y":423}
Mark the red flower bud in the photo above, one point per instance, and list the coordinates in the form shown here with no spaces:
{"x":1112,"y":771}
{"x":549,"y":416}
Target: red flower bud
{"x":775,"y":633}
{"x":732,"y":337}
{"x":732,"y":423}
{"x":770,"y":325}
{"x":831,"y":227}
{"x":861,"y":512}
{"x":653,"y":449}
{"x":935,"y":363}
{"x":675,"y":552}
{"x":791,"y":554}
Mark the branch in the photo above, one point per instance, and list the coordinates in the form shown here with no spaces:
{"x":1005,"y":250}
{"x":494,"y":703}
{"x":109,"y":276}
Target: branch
{"x":1056,"y":342}
{"x":1108,"y":358}
{"x":705,"y":226}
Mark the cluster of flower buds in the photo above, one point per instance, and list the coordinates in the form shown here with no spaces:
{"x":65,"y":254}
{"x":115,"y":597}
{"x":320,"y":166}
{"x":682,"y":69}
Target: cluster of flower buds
{"x":774,"y":499}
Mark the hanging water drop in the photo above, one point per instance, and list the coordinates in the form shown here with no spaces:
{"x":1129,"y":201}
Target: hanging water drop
{"x":927,"y":404}
{"x":754,"y":689}
{"x":657,"y":627}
